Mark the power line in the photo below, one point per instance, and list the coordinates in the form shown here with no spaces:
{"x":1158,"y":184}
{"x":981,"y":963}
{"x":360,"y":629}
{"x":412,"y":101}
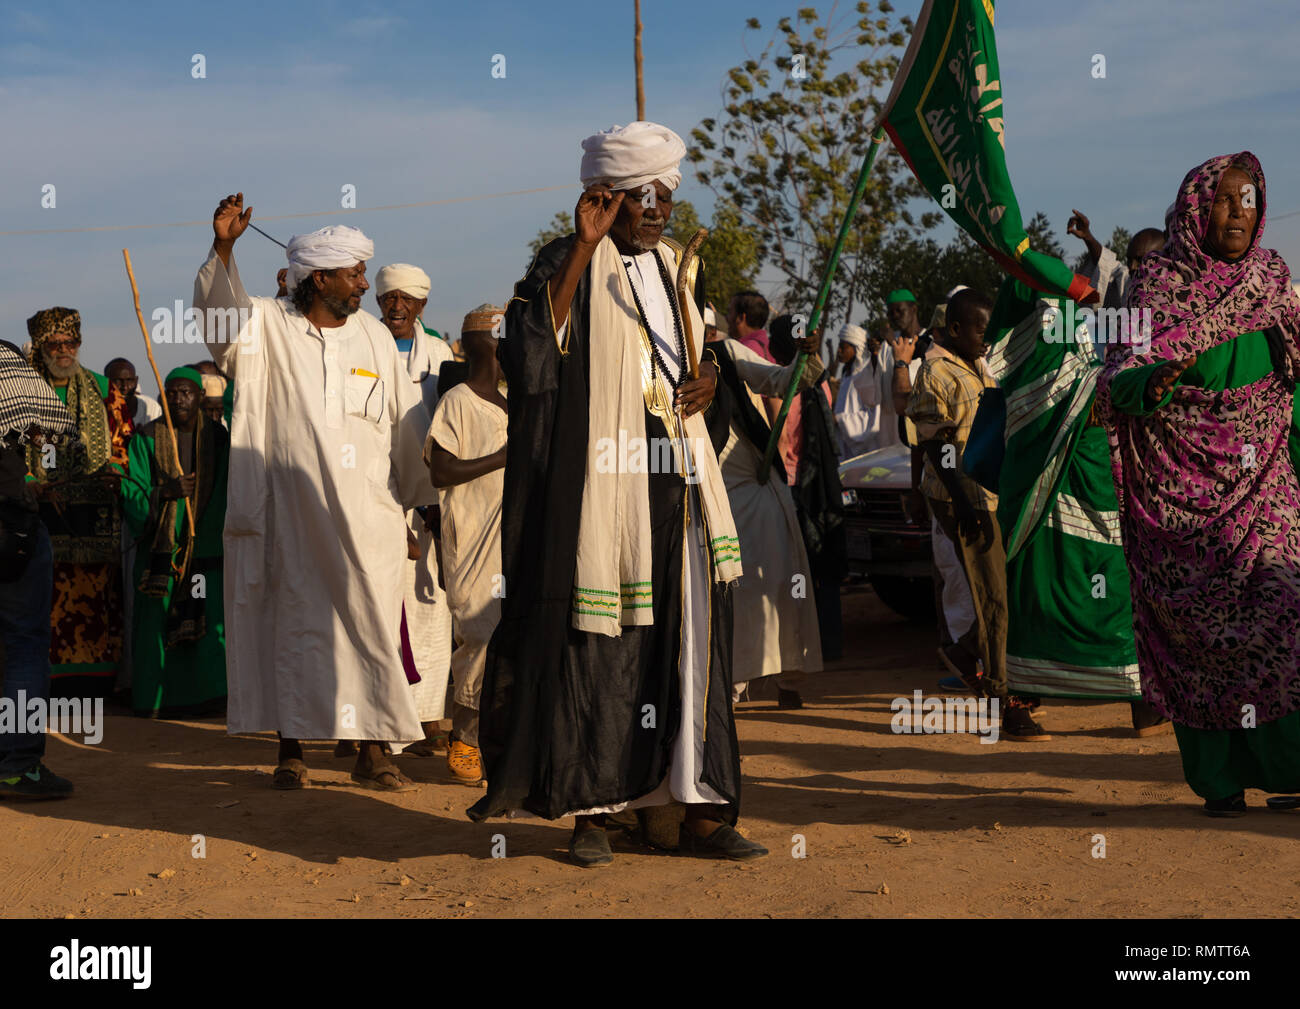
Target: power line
{"x":287,"y":217}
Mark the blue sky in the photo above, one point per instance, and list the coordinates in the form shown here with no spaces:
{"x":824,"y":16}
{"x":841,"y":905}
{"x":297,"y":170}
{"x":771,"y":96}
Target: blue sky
{"x":399,"y":101}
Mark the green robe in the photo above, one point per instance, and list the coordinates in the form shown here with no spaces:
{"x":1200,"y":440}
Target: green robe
{"x":1070,"y":623}
{"x":188,"y":679}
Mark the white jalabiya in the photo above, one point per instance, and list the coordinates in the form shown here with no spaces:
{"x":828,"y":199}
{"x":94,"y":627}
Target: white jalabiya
{"x":325,"y":459}
{"x":958,"y":607}
{"x":146,"y":409}
{"x":428,"y":618}
{"x":858,"y":407}
{"x":775,"y":610}
{"x":469,"y":427}
{"x":423,"y":362}
{"x":428,"y":624}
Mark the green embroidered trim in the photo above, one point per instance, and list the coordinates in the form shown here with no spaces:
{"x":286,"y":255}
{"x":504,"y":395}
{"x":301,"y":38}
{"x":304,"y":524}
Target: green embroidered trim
{"x":593,"y":613}
{"x":593,"y":592}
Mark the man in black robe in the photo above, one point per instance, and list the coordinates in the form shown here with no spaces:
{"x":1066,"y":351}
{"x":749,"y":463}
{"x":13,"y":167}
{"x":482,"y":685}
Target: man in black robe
{"x":575,"y":721}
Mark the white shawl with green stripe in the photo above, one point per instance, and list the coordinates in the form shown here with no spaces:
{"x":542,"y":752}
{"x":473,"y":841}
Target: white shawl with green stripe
{"x":612,"y":578}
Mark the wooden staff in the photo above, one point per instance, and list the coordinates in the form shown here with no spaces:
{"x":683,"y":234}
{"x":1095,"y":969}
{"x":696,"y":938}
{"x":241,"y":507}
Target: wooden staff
{"x":692,"y":248}
{"x":162,"y":393}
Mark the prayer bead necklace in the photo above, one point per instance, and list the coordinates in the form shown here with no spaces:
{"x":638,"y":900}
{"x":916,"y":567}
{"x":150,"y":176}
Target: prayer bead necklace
{"x":656,"y":359}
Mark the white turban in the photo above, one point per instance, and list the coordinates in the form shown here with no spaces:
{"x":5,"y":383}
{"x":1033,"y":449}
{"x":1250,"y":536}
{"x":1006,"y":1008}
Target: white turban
{"x":402,"y":277}
{"x":628,"y":157}
{"x":327,"y":249}
{"x":854,"y":336}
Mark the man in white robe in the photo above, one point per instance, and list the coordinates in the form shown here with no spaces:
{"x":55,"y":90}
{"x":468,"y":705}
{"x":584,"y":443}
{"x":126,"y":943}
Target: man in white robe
{"x":776,"y":631}
{"x":466,"y":452}
{"x":858,"y":403}
{"x":326,"y":442}
{"x":402,"y":291}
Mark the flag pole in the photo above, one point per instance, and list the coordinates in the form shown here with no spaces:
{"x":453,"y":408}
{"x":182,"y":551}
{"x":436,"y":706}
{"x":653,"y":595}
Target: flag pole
{"x":877,"y":138}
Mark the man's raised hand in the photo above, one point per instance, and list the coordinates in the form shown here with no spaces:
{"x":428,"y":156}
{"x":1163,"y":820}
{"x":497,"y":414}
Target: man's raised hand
{"x":230,"y":219}
{"x":594,"y":215}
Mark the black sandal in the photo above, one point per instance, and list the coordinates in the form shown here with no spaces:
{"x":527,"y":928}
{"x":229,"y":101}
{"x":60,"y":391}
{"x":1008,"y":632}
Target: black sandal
{"x":726,"y":842}
{"x":1232,"y":806}
{"x":589,"y":848}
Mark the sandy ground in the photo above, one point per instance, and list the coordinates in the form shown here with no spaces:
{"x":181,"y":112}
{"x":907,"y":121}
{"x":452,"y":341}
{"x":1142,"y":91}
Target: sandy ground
{"x":892,"y":825}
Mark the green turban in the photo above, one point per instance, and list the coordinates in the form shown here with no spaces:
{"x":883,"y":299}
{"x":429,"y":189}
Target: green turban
{"x":192,"y":374}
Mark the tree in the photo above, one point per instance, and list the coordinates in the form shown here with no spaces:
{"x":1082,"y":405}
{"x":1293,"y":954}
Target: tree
{"x":1118,"y":244}
{"x":796,"y":127}
{"x":930,"y":270}
{"x":730,"y":253}
{"x":561,"y":225}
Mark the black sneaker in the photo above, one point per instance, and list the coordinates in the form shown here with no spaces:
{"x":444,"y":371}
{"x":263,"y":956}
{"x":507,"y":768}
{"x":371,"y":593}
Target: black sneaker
{"x":1232,"y":806}
{"x":1019,"y":724}
{"x":36,"y":783}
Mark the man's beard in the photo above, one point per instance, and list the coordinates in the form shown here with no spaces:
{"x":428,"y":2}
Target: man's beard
{"x":63,"y":371}
{"x":339,"y":306}
{"x":644,"y":244}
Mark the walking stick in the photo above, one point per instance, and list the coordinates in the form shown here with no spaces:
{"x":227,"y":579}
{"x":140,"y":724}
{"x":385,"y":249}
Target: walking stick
{"x":692,"y":356}
{"x":690,"y":252}
{"x":828,"y":277}
{"x":162,"y":393}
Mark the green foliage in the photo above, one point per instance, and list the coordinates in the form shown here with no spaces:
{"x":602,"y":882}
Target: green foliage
{"x":730,"y":253}
{"x":561,"y":225}
{"x":930,"y":270}
{"x":1041,"y":236}
{"x":794,"y":131}
{"x":1118,"y":244}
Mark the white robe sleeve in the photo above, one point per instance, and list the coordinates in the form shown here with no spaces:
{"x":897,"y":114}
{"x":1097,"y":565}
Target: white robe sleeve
{"x":217,"y":288}
{"x":768,"y":379}
{"x":410,"y":422}
{"x":1110,"y":277}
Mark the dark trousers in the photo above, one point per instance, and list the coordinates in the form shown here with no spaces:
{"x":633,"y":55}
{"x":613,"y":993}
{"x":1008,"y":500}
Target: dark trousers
{"x":984,"y":560}
{"x":830,"y":618}
{"x":25,"y":663}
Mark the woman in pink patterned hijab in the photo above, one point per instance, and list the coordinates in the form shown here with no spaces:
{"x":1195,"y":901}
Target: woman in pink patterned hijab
{"x":1209,"y":498}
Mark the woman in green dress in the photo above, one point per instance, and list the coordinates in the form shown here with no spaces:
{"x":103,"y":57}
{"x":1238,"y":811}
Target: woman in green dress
{"x":1208,"y":494}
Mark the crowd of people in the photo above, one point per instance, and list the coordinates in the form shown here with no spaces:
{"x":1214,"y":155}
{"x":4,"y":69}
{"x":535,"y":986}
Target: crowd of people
{"x":344,"y":527}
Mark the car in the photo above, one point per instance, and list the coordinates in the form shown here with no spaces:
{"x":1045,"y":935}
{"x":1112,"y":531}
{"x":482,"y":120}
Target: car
{"x":881,"y":540}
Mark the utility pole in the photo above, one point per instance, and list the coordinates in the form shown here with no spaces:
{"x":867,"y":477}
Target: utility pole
{"x":640,"y":75}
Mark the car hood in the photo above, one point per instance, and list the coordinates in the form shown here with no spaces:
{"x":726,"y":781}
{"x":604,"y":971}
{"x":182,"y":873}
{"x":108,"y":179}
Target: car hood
{"x":888,"y":468}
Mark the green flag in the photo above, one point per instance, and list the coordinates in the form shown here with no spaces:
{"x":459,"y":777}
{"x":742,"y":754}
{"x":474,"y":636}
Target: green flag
{"x":944,"y":115}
